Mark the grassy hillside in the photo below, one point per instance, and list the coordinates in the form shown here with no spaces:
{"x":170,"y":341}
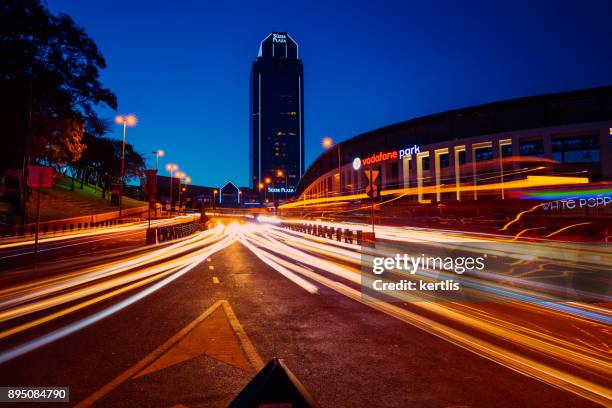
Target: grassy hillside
{"x":59,"y":202}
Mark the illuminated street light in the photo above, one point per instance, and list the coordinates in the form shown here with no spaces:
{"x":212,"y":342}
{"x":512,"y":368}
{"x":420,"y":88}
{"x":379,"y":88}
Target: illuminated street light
{"x":327,"y":143}
{"x":267,"y":181}
{"x":171,"y":168}
{"x":158,"y":153}
{"x":180,"y":175}
{"x":280,"y":173}
{"x":129,"y":120}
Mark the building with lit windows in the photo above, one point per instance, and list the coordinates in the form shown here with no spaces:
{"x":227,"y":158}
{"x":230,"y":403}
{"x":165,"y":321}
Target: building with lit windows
{"x":476,"y":153}
{"x":276,"y":140}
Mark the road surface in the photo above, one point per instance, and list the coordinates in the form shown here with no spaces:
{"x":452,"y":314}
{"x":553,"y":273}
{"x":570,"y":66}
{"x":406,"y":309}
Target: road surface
{"x":189,"y":323}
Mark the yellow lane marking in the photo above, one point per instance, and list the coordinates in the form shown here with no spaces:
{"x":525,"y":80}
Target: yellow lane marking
{"x":247,"y":347}
{"x":212,"y":268}
{"x":213,"y":337}
{"x":215,"y":279}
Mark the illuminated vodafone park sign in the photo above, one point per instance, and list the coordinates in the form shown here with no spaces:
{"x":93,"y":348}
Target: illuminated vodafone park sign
{"x":384,"y":156}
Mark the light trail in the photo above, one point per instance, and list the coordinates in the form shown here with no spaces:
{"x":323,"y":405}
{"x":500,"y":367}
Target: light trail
{"x":145,"y":274}
{"x":515,"y":324}
{"x":16,"y":242}
{"x":528,"y":182}
{"x":502,"y":336}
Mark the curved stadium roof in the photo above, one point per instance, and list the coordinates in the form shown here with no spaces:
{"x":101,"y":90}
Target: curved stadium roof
{"x":556,"y":109}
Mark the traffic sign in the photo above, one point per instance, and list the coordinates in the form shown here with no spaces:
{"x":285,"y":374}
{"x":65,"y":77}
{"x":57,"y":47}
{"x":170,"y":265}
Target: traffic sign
{"x":40,"y":176}
{"x":372,"y":175}
{"x":372,"y":189}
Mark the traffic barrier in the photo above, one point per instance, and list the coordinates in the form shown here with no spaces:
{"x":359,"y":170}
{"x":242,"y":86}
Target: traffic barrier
{"x":170,"y":232}
{"x":347,"y":235}
{"x":76,"y":223}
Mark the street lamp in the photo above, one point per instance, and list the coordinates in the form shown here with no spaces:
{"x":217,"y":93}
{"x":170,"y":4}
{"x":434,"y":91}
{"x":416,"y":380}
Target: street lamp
{"x":128,"y":120}
{"x":187,"y":181}
{"x":214,"y":199}
{"x":280,"y":173}
{"x":268,"y":181}
{"x":158,"y":153}
{"x":261,"y":186}
{"x":180,"y":175}
{"x":327,"y":143}
{"x":171,"y":168}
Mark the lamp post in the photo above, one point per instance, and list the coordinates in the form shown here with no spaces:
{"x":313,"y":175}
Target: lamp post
{"x":187,"y":181}
{"x":158,"y":153}
{"x":327,"y":143}
{"x":180,"y":176}
{"x":128,"y":120}
{"x":214,"y":199}
{"x":280,"y":173}
{"x":261,"y":186}
{"x":171,"y":168}
{"x":267,"y":181}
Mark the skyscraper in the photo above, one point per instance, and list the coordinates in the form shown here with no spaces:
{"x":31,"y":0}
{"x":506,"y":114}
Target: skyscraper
{"x":277,"y":114}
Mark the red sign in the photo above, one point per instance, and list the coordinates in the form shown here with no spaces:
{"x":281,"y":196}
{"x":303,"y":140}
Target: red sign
{"x":379,"y":157}
{"x":40,"y":176}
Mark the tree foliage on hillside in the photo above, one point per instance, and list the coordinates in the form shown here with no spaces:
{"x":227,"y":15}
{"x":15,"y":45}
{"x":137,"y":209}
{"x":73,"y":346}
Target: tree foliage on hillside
{"x":49,"y":84}
{"x":49,"y":90}
{"x":100,"y":163}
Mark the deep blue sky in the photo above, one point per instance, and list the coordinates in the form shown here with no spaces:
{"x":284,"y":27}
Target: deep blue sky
{"x":183,"y":66}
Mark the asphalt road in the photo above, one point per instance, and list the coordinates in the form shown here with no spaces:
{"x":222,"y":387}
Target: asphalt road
{"x":197,"y":340}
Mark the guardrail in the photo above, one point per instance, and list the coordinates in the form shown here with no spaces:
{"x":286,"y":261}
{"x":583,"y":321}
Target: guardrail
{"x":170,"y":232}
{"x":339,"y":234}
{"x":75,"y":223}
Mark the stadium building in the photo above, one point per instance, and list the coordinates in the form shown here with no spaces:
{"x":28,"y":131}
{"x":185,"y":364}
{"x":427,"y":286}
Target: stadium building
{"x":476,"y":153}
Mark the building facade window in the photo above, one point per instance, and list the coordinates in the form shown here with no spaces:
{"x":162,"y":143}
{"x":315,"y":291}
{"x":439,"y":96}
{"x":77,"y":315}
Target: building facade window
{"x":394,"y":171}
{"x":532,"y":148}
{"x":425,"y":163}
{"x":483,"y":154}
{"x":462,"y":157}
{"x":506,"y":150}
{"x":576,"y":149}
{"x":444,"y":160}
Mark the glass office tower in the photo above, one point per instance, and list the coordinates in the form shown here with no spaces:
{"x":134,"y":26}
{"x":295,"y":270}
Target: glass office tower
{"x":277,"y":114}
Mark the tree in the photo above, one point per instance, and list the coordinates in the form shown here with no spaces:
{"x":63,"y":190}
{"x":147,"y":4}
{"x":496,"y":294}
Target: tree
{"x":49,"y":85}
{"x":102,"y":159}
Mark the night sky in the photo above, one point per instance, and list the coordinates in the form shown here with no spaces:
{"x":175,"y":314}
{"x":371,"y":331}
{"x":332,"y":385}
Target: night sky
{"x":183,"y":66}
